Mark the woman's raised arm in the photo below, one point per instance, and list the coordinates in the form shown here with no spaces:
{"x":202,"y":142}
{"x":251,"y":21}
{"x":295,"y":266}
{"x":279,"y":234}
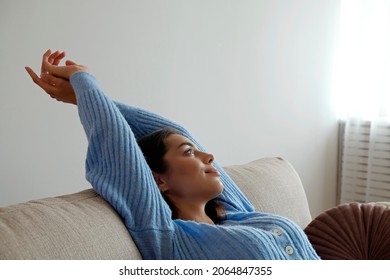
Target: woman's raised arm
{"x":115,"y":165}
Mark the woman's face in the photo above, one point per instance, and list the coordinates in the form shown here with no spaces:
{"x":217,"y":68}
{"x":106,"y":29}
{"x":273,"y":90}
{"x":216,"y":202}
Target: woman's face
{"x":190,"y":175}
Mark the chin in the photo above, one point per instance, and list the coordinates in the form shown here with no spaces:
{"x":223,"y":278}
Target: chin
{"x":218,"y":189}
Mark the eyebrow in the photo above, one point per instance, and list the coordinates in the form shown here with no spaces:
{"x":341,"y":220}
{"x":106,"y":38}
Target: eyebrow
{"x":186,"y":144}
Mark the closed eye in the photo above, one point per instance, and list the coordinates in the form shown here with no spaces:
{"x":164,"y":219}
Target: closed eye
{"x":190,"y":148}
{"x":189,"y":151}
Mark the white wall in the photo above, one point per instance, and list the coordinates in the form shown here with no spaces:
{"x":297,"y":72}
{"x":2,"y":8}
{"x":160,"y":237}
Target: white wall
{"x":250,"y":78}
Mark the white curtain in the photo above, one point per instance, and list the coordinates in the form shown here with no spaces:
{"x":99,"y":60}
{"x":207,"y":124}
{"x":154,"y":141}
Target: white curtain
{"x":362,"y":94}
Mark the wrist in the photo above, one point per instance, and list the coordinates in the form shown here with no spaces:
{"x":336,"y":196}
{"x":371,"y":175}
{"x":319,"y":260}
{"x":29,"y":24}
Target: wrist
{"x":77,"y":69}
{"x":82,"y":81}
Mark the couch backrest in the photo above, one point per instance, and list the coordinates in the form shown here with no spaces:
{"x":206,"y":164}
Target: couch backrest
{"x":76,"y":226}
{"x":272,"y":185}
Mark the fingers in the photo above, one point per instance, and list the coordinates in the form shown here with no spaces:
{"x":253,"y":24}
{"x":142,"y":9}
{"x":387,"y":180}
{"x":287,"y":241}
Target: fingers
{"x":55,"y":87}
{"x":53,"y":58}
{"x":56,"y":57}
{"x":70,"y":62}
{"x":60,"y":71}
{"x":33,"y":76}
{"x":50,"y":65}
{"x":45,"y":55}
{"x":48,"y":88}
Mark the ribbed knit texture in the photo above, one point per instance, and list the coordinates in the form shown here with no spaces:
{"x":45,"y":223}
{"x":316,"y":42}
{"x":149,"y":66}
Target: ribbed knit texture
{"x":117,"y":170}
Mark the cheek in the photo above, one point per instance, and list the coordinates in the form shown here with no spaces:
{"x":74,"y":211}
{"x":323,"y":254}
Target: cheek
{"x":184,"y":173}
{"x":185,"y":168}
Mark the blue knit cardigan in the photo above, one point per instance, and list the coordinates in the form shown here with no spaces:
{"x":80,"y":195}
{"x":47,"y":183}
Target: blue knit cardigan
{"x":117,"y":170}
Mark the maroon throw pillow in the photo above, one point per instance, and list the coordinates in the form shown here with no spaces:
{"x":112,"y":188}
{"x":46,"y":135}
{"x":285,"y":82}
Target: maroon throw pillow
{"x":353,"y":231}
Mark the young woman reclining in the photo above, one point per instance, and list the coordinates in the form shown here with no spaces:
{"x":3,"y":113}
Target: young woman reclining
{"x":175,"y":200}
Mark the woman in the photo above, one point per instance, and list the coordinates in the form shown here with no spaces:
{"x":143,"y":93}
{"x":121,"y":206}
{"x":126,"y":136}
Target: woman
{"x":170,"y":195}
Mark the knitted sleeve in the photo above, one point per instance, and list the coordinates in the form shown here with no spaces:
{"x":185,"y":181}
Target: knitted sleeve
{"x":115,"y":166}
{"x":143,"y":123}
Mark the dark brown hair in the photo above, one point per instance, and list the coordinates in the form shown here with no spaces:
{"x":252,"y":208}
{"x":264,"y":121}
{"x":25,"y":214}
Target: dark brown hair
{"x":154,"y":149}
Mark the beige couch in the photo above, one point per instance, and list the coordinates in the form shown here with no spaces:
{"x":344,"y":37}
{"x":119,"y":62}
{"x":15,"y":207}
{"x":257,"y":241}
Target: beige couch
{"x":83,"y":226}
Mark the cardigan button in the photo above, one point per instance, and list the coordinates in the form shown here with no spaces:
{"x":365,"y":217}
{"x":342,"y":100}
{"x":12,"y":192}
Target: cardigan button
{"x":289,"y":250}
{"x":277,"y":231}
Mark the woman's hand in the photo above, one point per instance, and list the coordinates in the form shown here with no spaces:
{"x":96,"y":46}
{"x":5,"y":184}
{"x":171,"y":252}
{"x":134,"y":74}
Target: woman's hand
{"x":54,"y":79}
{"x":50,"y":64}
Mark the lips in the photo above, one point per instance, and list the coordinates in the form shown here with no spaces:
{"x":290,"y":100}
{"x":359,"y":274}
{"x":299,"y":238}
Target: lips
{"x":212,"y":171}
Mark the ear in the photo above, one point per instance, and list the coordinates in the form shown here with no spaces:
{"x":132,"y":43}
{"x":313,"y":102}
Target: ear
{"x":161,"y":182}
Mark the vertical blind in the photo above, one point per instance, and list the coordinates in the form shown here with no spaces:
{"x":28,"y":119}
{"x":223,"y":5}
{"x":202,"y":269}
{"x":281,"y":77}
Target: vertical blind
{"x":364,"y":167}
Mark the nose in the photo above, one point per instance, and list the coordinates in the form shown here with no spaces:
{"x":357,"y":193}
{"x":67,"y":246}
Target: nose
{"x":208,"y":158}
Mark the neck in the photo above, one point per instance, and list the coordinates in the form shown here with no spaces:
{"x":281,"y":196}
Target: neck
{"x":193,"y":212}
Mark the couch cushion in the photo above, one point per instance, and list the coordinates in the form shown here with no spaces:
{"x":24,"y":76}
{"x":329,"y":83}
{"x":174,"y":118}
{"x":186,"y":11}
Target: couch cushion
{"x":75,"y":226}
{"x":272,"y":185}
{"x":352,"y":231}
